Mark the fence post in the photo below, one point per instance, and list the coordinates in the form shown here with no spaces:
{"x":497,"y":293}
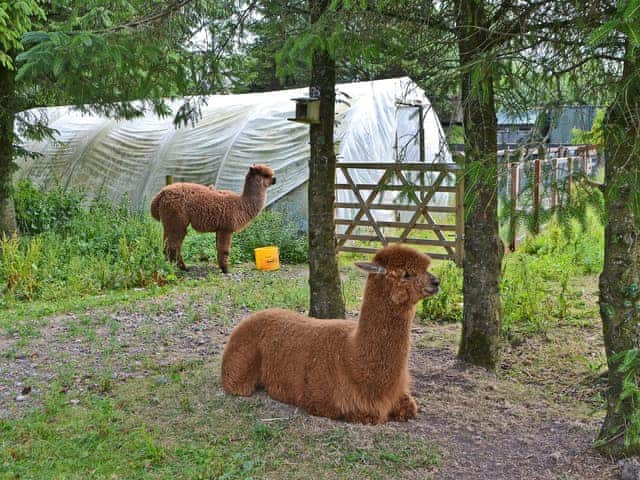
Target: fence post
{"x":537,"y":173}
{"x":459,"y":218}
{"x":515,"y":187}
{"x":423,"y":154}
{"x":168,"y":180}
{"x":554,"y":183}
{"x":569,"y":178}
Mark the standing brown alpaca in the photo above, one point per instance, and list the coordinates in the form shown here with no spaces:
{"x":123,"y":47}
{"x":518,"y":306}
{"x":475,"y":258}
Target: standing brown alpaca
{"x":357,"y":371}
{"x":209,"y":210}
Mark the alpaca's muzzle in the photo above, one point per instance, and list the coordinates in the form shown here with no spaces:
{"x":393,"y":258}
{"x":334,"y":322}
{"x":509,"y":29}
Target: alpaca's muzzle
{"x":433,"y":287}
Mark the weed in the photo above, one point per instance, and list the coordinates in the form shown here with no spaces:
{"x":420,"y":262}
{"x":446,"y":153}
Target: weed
{"x":525,"y":300}
{"x":19,"y":270}
{"x":38,"y":211}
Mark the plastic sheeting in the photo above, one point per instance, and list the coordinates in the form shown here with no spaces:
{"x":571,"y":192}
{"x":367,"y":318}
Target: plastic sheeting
{"x":130,"y":158}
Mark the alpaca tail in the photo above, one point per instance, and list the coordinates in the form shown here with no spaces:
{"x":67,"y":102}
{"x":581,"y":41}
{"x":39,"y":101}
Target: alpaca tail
{"x":155,"y":205}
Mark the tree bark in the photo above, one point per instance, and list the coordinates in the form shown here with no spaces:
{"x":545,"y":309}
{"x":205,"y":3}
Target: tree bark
{"x":619,"y":297}
{"x":483,"y":248}
{"x":7,"y":111}
{"x":324,"y":277}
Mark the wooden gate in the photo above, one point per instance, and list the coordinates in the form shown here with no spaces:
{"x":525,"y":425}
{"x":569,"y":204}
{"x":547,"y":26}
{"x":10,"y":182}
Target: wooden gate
{"x":408,"y":212}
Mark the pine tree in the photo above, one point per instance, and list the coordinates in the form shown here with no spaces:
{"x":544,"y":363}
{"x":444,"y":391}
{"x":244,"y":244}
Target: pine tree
{"x":15,"y":20}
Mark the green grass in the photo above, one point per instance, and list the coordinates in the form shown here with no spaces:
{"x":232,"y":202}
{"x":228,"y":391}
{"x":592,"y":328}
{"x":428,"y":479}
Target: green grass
{"x":213,"y":296}
{"x":72,"y":248}
{"x":536,"y":281}
{"x":269,"y":228}
{"x":446,"y":306}
{"x":179,"y":425}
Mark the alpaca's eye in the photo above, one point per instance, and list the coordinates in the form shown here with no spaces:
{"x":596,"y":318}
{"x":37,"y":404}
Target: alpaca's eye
{"x":407,"y":276}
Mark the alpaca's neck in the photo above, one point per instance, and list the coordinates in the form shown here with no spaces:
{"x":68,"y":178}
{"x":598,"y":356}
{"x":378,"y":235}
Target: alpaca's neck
{"x":382,"y":337}
{"x":253,"y":198}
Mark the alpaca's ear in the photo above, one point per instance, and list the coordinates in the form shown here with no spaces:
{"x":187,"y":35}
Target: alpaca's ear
{"x":370,"y":267}
{"x":253,"y":168}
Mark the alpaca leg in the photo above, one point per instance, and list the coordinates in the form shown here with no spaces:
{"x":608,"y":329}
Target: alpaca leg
{"x":223,"y":247}
{"x":404,"y":409}
{"x":240,"y":370}
{"x":174,"y":233}
{"x":180,"y":260}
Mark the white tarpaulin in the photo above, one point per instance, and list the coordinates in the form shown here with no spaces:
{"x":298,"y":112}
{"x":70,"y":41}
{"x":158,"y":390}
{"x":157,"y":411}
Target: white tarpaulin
{"x":132,"y":157}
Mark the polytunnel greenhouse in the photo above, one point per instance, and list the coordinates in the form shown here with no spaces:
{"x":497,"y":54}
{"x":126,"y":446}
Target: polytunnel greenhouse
{"x":376,"y":121}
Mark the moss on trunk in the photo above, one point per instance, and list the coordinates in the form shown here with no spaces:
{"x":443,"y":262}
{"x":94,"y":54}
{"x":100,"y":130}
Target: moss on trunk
{"x":620,"y":278}
{"x":7,"y":111}
{"x":324,"y":277}
{"x":483,"y":250}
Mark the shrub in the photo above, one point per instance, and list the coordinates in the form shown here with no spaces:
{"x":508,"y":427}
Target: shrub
{"x":38,"y":211}
{"x":73,"y":247}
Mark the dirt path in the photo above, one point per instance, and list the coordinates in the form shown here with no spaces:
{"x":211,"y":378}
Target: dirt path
{"x":487,"y":426}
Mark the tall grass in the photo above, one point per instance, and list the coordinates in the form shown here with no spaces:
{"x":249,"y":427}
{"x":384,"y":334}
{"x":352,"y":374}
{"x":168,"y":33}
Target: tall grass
{"x":75,"y":247}
{"x":535,"y":278}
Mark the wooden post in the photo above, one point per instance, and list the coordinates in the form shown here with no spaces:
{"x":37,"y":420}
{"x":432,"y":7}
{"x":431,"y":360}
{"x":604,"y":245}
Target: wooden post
{"x":554,"y":183}
{"x":423,"y":155}
{"x":168,"y":180}
{"x":569,"y":178}
{"x":537,"y":173}
{"x":459,"y":218}
{"x":515,"y":187}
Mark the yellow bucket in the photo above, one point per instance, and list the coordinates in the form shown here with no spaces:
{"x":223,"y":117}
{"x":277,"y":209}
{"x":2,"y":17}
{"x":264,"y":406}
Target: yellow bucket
{"x":267,"y":258}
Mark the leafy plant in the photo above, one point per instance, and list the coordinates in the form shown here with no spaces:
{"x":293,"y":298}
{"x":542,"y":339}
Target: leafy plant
{"x":541,"y":265}
{"x":524,"y":297}
{"x":72,"y":247}
{"x":446,"y":305}
{"x":38,"y":211}
{"x":19,"y":268}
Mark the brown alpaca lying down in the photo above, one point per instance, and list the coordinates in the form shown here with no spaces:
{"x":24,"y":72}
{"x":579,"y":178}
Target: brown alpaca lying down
{"x":209,"y":210}
{"x":341,"y":369}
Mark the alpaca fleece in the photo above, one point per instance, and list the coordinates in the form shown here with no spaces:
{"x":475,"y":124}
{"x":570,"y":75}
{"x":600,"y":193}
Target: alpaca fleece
{"x":209,"y":210}
{"x":341,"y":369}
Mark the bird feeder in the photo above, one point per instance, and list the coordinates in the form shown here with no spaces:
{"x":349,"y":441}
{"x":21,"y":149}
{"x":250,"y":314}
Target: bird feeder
{"x":307,"y":110}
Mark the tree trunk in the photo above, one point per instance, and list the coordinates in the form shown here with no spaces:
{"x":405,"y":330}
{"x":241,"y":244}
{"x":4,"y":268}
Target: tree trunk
{"x":483,"y":248}
{"x":7,"y":111}
{"x":324,"y":277}
{"x":619,"y":297}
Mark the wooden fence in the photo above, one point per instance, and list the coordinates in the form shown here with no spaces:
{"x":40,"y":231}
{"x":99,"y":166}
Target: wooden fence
{"x":533,"y":180}
{"x":407,"y":214}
